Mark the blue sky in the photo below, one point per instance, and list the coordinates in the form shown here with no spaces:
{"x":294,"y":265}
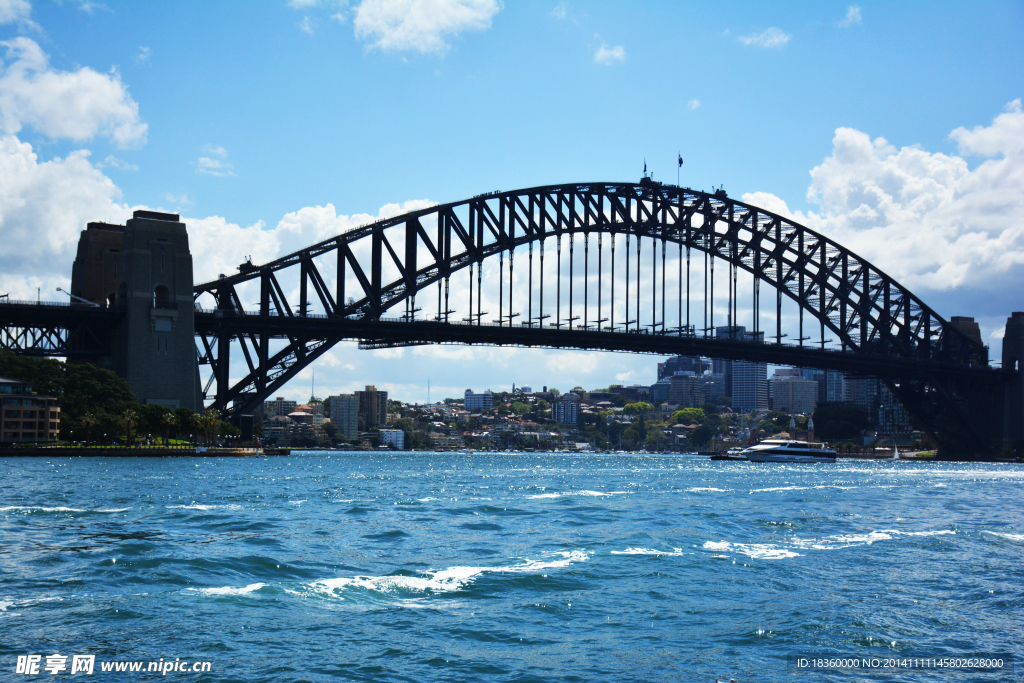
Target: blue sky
{"x":240,"y":114}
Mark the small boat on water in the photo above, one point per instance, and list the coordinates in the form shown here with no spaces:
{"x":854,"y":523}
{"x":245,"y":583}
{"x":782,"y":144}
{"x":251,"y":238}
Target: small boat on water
{"x":734,"y":453}
{"x":786,"y":450}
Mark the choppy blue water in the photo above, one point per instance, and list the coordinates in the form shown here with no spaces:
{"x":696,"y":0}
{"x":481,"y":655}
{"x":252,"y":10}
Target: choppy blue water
{"x":546,"y":567}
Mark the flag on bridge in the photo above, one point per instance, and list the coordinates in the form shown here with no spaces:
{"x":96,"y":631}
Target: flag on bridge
{"x":680,"y":159}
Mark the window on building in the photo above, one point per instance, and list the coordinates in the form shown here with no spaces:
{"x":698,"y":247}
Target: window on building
{"x":161,"y":297}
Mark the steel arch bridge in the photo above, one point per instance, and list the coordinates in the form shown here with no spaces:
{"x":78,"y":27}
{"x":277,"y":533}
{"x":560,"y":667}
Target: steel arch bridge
{"x":345,"y":287}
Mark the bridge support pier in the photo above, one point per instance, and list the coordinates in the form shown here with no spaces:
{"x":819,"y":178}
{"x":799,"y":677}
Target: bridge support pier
{"x":1013,"y":362}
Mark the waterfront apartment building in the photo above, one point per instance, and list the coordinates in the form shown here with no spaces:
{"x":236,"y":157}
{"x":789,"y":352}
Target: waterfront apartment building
{"x":392,"y":438}
{"x":483,"y":401}
{"x":25,"y":416}
{"x":279,"y":406}
{"x":343,"y":411}
{"x":373,"y":406}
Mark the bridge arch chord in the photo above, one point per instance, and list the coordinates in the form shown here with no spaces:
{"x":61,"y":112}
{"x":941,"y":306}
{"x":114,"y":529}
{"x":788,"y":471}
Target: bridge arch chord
{"x":867,"y":310}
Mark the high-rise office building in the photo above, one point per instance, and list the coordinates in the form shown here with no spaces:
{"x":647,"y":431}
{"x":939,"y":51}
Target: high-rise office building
{"x":893,"y":418}
{"x":685,"y":390}
{"x":865,"y":392}
{"x":790,"y":392}
{"x":831,"y":384}
{"x":745,"y":382}
{"x":679,"y":364}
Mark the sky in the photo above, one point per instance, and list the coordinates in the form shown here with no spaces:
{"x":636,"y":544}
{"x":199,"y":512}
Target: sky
{"x":894,"y":128}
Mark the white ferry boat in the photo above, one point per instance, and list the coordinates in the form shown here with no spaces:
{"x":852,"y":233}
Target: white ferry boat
{"x":785,"y":450}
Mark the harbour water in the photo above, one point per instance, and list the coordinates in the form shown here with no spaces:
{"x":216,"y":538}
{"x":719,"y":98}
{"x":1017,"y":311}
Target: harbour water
{"x":507,"y":567}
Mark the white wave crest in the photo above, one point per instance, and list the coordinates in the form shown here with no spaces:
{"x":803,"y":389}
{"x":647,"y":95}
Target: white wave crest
{"x":34,"y":508}
{"x":705,"y":488}
{"x":1012,"y":537}
{"x":758,"y":551}
{"x":781,"y":488}
{"x":197,"y":506}
{"x":575,"y":493}
{"x":443,"y":581}
{"x":38,"y":508}
{"x":848,"y":540}
{"x":230,"y":590}
{"x":675,"y":552}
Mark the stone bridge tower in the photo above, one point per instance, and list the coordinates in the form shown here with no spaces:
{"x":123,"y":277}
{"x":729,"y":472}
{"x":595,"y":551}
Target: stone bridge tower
{"x":1013,"y":360}
{"x":151,"y":281}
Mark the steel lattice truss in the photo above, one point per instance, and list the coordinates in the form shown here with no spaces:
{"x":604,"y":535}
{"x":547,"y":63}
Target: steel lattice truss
{"x":872,"y":315}
{"x":46,"y":329}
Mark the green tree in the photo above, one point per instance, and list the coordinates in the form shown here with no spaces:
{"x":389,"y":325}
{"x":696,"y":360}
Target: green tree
{"x":701,"y":436}
{"x":332,"y":431}
{"x":689,"y":416}
{"x":520,"y":408}
{"x":640,"y":409}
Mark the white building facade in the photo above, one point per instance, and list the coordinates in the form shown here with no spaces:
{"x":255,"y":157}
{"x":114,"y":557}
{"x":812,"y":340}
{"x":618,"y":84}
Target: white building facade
{"x":483,"y":401}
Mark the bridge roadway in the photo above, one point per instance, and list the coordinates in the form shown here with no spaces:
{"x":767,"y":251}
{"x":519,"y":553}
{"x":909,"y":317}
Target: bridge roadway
{"x":44,"y":328}
{"x":385,"y":332}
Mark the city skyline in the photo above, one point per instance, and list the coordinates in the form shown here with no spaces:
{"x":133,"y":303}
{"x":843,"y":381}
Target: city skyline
{"x":266,"y":145}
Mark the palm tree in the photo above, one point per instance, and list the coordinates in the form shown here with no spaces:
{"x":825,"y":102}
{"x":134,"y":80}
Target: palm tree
{"x":129,"y":418}
{"x":196,"y":423}
{"x":211,"y":418}
{"x":168,"y":422}
{"x":88,"y":421}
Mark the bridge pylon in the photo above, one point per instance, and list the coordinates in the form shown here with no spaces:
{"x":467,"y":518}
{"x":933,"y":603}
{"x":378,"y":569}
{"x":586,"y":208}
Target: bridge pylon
{"x":144,"y":270}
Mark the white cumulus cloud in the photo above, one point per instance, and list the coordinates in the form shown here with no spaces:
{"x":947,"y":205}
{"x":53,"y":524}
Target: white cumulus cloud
{"x":609,"y":55}
{"x":43,"y":206}
{"x":78,"y":105}
{"x":770,"y":37}
{"x":852,"y":17}
{"x":214,"y":162}
{"x":693,"y":104}
{"x":14,"y":10}
{"x":420,"y":25}
{"x":120,"y":164}
{"x":928,"y":219}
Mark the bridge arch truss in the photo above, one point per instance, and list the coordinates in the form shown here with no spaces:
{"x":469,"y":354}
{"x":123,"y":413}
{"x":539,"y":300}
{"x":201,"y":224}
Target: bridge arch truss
{"x":363,"y":283}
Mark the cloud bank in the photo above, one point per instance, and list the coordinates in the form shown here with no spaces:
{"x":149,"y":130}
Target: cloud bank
{"x":77,"y":105}
{"x":928,"y":219}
